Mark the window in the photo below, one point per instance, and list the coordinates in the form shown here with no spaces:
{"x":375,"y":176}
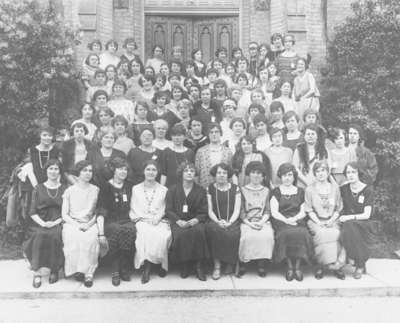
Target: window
{"x":121,"y":4}
{"x":87,"y":15}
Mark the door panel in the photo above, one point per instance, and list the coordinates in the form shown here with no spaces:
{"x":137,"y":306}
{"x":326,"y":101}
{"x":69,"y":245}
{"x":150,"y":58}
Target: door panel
{"x":191,"y":32}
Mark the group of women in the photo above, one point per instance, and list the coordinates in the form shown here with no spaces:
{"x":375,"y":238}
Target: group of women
{"x":222,"y":163}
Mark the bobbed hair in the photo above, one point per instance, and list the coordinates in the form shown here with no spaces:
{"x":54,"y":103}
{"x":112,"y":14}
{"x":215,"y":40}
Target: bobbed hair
{"x":224,"y":166}
{"x":286,"y":168}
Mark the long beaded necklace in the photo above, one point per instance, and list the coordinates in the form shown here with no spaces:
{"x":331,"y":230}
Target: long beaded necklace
{"x":218,"y":210}
{"x":150,"y":199}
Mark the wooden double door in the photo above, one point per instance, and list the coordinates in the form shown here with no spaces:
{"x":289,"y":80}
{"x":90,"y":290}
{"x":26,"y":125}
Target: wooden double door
{"x":190,"y":33}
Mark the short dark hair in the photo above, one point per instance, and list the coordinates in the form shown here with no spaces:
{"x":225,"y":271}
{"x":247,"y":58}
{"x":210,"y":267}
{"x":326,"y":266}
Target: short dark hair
{"x":111,"y":41}
{"x":79,"y":125}
{"x":147,"y":78}
{"x":237,"y":119}
{"x":98,"y":93}
{"x":98,"y":72}
{"x":276,"y":105}
{"x":359,"y":130}
{"x":151,"y":162}
{"x":120,"y":118}
{"x":213,"y":125}
{"x":257,"y":106}
{"x":260,"y":118}
{"x":130,"y":40}
{"x":81,"y":165}
{"x":118,"y":162}
{"x":288,"y":115}
{"x":143,"y":104}
{"x":255,"y":165}
{"x":107,"y":110}
{"x":319,"y":164}
{"x":121,"y":83}
{"x":50,"y":130}
{"x":160,"y":94}
{"x":184,"y":165}
{"x":224,"y":166}
{"x":286,"y":168}
{"x":95,"y":41}
{"x":52,"y":162}
{"x":274,"y":130}
{"x":178,"y":130}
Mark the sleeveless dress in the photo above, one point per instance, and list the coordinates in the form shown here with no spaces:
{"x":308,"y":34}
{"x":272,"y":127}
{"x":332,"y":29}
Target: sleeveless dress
{"x":291,"y":241}
{"x":223,"y":242}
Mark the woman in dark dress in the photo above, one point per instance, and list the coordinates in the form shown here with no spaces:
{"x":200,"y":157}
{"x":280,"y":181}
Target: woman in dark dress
{"x":114,"y":222}
{"x":171,"y":158}
{"x":293,"y":242}
{"x":196,"y":138}
{"x":139,"y":155}
{"x":186,"y":208}
{"x":76,"y":149}
{"x":105,"y":154}
{"x":357,"y":231}
{"x":44,"y":248}
{"x":40,"y":154}
{"x":223,"y":229}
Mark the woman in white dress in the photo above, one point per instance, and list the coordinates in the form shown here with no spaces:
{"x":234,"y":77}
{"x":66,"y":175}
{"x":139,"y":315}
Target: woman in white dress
{"x":153,"y":236}
{"x":80,"y":233}
{"x":257,"y":236}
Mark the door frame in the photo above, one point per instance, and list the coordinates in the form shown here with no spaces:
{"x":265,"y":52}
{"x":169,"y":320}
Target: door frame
{"x":196,"y":12}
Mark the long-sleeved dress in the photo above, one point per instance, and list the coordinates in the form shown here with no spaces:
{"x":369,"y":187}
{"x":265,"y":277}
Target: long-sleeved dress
{"x":326,"y":239}
{"x":255,"y":244}
{"x":81,"y":248}
{"x":136,"y":159}
{"x":152,"y":241}
{"x":206,"y":159}
{"x":223,"y":242}
{"x":119,"y":229}
{"x":170,"y":161}
{"x":291,"y":241}
{"x":44,"y":247}
{"x":188,"y":244}
{"x":357,"y":235}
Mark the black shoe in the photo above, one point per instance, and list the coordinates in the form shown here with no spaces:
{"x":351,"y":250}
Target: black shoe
{"x":125,"y":276}
{"x":289,"y":275}
{"x":261,"y":268}
{"x":53,"y":278}
{"x":298,"y":275}
{"x":241,"y":270}
{"x":184,"y":270}
{"x":162,"y":272}
{"x":80,"y":277}
{"x":88,"y":282}
{"x":200,"y":273}
{"x":340,"y":274}
{"x":146,"y":273}
{"x":115,"y":279}
{"x":319,"y":274}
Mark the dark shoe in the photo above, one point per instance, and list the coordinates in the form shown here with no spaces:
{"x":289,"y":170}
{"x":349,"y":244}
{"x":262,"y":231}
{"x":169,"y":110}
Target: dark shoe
{"x":79,"y":277}
{"x":319,"y":274}
{"x":115,"y":279}
{"x":162,"y":272}
{"x":125,"y":276}
{"x":340,"y":274}
{"x":289,"y":275}
{"x":53,"y":278}
{"x":37,"y":281}
{"x":146,"y":273}
{"x":261,"y":268}
{"x":88,"y":282}
{"x":200,"y":273}
{"x":298,"y":275}
{"x":228,"y":269}
{"x":241,"y":270}
{"x":184,"y":270}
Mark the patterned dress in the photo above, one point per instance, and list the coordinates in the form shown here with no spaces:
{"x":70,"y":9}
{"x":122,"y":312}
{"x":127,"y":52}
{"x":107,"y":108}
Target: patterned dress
{"x":255,"y":244}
